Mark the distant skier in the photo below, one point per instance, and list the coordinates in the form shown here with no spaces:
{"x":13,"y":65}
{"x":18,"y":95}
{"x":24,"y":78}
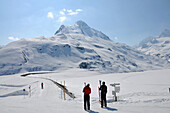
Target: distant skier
{"x":42,"y":85}
{"x":103,"y":89}
{"x":87,"y":91}
{"x":30,"y":90}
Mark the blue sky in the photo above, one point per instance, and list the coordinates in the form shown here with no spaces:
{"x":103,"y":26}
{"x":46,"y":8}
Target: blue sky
{"x":124,"y":21}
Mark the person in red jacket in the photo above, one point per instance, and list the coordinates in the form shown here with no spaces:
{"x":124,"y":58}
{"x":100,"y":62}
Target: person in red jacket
{"x":42,"y":85}
{"x":87,"y":91}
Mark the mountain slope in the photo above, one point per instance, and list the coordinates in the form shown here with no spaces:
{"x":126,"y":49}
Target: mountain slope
{"x":77,"y":46}
{"x":157,"y":46}
{"x":1,"y":46}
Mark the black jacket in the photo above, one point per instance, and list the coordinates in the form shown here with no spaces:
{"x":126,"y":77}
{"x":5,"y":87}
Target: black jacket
{"x":103,"y":89}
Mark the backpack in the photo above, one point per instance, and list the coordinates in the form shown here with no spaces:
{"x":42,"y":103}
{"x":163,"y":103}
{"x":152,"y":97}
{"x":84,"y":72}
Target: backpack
{"x":86,"y":90}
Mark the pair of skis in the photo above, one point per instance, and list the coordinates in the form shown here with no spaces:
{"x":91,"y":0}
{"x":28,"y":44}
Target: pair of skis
{"x":99,"y":90}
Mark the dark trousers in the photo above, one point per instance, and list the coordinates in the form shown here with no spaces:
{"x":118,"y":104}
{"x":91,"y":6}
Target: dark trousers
{"x":87,"y":101}
{"x":103,"y":100}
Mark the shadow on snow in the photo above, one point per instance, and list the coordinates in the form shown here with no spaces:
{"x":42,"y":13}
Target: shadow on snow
{"x":107,"y":108}
{"x":111,"y":109}
{"x":91,"y":111}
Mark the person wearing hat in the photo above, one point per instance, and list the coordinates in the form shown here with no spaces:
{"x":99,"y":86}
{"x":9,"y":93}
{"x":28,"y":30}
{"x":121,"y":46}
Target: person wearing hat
{"x":103,"y":89}
{"x":87,"y":91}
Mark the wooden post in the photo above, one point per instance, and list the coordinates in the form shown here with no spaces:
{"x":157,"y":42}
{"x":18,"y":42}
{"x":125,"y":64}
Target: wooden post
{"x":24,"y":93}
{"x":30,"y":91}
{"x":64,"y":91}
{"x":61,"y":90}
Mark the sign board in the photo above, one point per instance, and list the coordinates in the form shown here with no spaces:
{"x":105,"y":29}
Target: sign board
{"x":117,"y":89}
{"x":115,"y":84}
{"x":114,"y":93}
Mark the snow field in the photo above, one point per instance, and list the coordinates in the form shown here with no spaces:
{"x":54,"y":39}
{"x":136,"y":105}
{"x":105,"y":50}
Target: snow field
{"x":140,"y":92}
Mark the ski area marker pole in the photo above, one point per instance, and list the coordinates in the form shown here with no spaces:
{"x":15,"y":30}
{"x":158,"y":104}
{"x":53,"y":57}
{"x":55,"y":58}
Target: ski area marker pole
{"x":61,"y":90}
{"x":64,"y":91}
{"x":24,"y":92}
{"x":29,"y":90}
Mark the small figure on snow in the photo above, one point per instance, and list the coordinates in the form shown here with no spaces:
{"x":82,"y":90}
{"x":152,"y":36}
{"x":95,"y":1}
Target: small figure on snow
{"x":42,"y":85}
{"x":87,"y":91}
{"x":103,"y":89}
{"x":30,"y":90}
{"x":29,"y":87}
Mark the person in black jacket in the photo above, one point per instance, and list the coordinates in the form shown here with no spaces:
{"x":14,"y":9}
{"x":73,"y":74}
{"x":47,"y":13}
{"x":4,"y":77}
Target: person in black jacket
{"x":103,"y":89}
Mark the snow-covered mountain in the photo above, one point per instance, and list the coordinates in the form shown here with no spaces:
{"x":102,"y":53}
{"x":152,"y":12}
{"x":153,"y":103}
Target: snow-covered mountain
{"x":1,"y":46}
{"x":157,"y":46}
{"x":81,"y":27}
{"x":76,"y":46}
{"x":165,"y":33}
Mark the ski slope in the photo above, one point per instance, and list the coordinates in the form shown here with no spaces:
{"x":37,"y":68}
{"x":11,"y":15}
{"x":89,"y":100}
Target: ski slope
{"x":140,"y":92}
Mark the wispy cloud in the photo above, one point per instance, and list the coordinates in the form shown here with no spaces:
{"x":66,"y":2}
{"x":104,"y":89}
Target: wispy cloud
{"x":79,"y":10}
{"x":50,"y":15}
{"x":116,"y":38}
{"x":64,"y":14}
{"x":62,"y":19}
{"x":64,"y":9}
{"x":71,"y":12}
{"x":12,"y":38}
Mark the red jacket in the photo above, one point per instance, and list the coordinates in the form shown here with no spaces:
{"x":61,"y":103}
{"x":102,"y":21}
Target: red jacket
{"x":86,"y":90}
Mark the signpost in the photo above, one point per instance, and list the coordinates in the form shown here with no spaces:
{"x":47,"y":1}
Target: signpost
{"x":116,"y":89}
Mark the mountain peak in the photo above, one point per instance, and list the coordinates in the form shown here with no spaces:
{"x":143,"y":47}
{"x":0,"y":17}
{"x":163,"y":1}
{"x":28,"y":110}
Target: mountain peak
{"x":81,"y":23}
{"x":165,"y":33}
{"x":60,"y":29}
{"x":80,"y":27}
